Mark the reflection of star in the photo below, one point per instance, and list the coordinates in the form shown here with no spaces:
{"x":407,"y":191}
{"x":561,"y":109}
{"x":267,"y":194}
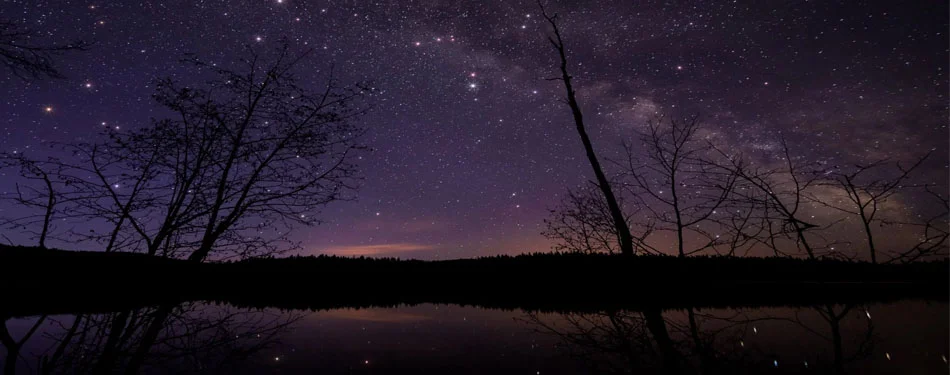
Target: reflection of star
{"x":48,"y":109}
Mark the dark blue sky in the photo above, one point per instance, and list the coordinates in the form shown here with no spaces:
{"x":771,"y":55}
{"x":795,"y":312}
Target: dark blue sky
{"x":471,"y":144}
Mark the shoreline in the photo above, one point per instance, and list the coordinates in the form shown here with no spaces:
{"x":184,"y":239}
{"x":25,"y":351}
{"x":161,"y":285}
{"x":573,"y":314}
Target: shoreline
{"x":54,"y":281}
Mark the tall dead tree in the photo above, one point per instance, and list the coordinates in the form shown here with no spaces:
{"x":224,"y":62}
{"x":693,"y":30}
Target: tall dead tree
{"x":624,"y":237}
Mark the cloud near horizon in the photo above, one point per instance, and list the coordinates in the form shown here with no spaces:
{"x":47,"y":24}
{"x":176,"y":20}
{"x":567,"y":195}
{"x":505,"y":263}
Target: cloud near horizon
{"x":380,"y":249}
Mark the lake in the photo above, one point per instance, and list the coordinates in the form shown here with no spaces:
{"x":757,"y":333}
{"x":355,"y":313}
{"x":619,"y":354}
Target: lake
{"x":897,"y":337}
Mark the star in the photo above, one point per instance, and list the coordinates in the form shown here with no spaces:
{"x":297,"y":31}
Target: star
{"x":48,"y":109}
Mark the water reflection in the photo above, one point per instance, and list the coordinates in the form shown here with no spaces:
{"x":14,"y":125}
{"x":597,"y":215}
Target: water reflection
{"x":899,"y":337}
{"x":165,"y":339}
{"x":697,"y":342}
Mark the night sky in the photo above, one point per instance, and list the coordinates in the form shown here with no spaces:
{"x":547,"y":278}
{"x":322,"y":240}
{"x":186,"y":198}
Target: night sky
{"x":471,"y":145}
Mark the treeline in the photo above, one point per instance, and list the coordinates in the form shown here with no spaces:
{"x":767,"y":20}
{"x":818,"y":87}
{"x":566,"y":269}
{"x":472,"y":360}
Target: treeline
{"x":562,"y":282}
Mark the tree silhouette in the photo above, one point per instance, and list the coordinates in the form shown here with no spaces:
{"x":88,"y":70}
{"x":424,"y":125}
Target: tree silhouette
{"x":934,"y":231}
{"x":624,"y":237}
{"x":44,"y":191}
{"x":681,"y":187}
{"x":27,"y":60}
{"x":582,"y":223}
{"x":867,"y":194}
{"x":245,"y":157}
{"x":782,"y":193}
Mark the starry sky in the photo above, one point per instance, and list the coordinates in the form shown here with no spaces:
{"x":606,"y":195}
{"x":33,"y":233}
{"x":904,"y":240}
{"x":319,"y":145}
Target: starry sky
{"x":471,"y":146}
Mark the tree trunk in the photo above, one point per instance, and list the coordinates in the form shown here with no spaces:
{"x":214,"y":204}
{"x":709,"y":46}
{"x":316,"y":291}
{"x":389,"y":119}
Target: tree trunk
{"x":657,"y":327}
{"x":620,"y":223}
{"x":148,"y":339}
{"x":867,"y":231}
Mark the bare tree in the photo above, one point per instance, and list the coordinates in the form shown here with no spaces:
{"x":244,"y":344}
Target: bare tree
{"x":275,"y":152}
{"x":867,"y":194}
{"x":782,"y":194}
{"x":246,"y":157}
{"x":582,"y":223}
{"x":682,"y":187}
{"x":44,"y":198}
{"x":934,"y":231}
{"x":619,"y":222}
{"x":744,"y":221}
{"x":27,"y":60}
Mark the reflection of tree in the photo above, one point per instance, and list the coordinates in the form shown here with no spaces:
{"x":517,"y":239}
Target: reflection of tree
{"x":13,"y":345}
{"x":169,"y":338}
{"x":834,"y":316}
{"x":691,"y":342}
{"x":615,"y":341}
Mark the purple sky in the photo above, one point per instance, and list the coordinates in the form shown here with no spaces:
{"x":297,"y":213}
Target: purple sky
{"x":471,"y":144}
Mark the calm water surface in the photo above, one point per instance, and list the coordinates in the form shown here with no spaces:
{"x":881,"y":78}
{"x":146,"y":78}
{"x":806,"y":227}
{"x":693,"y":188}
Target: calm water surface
{"x":906,"y":337}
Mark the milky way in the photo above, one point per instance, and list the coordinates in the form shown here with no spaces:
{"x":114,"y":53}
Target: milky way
{"x":471,"y":145}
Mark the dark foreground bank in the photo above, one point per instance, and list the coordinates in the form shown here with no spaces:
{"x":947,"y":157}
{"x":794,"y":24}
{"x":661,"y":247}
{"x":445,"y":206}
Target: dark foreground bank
{"x":51,"y":281}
